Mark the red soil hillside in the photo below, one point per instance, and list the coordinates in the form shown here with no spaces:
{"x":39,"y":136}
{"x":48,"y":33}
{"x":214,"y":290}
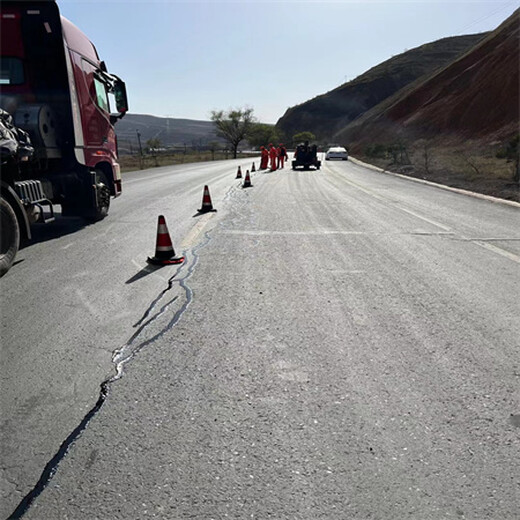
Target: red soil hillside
{"x":476,"y":97}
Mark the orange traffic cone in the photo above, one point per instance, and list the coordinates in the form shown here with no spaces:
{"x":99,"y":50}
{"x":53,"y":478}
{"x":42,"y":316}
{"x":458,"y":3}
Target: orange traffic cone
{"x":247,"y":181}
{"x":253,"y":169}
{"x":239,"y":173}
{"x":206,"y":202}
{"x":164,"y":253}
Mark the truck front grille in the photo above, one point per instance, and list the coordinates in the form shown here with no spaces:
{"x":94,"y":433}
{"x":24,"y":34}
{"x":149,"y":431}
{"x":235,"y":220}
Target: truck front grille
{"x":30,"y":191}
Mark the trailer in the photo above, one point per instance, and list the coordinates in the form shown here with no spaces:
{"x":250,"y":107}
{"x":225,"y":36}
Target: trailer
{"x":58,"y":144}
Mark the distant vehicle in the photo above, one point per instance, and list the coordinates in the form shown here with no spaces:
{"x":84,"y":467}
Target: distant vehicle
{"x":336,"y":152}
{"x":58,"y":144}
{"x":306,"y":156}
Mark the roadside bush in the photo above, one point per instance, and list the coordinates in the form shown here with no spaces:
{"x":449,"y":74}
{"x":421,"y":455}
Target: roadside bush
{"x":376,"y":150}
{"x":398,"y":152}
{"x":511,"y":152}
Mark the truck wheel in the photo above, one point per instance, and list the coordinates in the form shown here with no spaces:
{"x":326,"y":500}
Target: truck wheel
{"x":9,"y":237}
{"x":103,"y":197}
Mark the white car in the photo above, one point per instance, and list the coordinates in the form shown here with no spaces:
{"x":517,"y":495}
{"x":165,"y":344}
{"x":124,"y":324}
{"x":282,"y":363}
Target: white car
{"x":336,"y":152}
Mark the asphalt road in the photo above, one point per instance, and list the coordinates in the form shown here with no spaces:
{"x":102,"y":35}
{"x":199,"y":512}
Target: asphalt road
{"x":339,"y":344}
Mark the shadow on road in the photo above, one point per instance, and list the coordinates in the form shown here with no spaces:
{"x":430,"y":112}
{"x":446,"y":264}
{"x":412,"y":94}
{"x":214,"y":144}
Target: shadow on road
{"x":145,"y":271}
{"x":60,"y":227}
{"x":201,"y":213}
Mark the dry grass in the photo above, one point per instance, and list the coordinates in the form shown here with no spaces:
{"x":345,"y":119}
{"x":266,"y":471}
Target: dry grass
{"x":133,"y":162}
{"x":470,"y":166}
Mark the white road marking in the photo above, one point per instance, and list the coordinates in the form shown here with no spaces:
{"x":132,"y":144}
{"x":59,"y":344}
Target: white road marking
{"x":498,"y":250}
{"x":482,"y":243}
{"x":86,"y":303}
{"x":262,"y":232}
{"x":137,"y":264}
{"x":192,"y":237}
{"x":410,"y":212}
{"x":432,"y":222}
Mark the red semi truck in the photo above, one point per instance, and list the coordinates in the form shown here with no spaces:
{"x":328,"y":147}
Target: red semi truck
{"x":57,"y":138}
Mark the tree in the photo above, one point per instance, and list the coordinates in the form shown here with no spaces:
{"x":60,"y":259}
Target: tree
{"x":153,"y":144}
{"x":263,"y":134}
{"x":302,"y":137}
{"x":233,"y":126}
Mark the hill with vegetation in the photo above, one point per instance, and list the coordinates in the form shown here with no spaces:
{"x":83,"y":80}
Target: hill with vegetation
{"x":328,"y":113}
{"x":474,"y":97}
{"x":459,"y":125}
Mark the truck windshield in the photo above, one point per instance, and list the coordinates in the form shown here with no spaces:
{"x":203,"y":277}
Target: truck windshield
{"x":11,"y":72}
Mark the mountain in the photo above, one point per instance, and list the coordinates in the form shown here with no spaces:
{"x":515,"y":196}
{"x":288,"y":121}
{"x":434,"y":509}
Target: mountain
{"x":170,"y":131}
{"x":459,"y":126}
{"x":328,"y":113}
{"x":476,"y":97}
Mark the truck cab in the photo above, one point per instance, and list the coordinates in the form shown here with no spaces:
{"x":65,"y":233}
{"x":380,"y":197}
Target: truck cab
{"x":57,"y":89}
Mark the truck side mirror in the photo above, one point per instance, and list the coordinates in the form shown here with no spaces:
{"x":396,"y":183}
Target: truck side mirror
{"x":120,"y":96}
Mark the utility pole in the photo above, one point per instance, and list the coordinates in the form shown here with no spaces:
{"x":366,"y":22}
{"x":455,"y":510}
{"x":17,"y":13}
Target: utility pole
{"x":140,"y":150}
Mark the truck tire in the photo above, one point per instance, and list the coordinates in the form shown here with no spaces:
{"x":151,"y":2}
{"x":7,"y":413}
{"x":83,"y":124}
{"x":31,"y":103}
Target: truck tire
{"x":103,"y":197}
{"x":9,"y":236}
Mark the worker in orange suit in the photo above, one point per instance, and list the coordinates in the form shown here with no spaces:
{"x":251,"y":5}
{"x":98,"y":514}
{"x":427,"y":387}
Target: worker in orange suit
{"x":264,"y":158}
{"x":282,"y":155}
{"x":273,"y":155}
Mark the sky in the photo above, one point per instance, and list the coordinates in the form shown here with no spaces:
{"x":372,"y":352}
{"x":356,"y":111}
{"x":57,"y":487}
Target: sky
{"x":184,"y":59}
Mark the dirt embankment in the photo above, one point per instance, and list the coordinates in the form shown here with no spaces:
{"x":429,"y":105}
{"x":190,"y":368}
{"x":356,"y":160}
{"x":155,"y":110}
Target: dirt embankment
{"x":457,"y":127}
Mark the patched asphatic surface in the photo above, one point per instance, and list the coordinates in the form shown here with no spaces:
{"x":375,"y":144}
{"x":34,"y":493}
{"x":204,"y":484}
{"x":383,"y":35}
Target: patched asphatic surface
{"x":341,"y":347}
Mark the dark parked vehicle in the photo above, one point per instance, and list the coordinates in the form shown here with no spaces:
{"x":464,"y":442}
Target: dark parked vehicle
{"x":306,"y":156}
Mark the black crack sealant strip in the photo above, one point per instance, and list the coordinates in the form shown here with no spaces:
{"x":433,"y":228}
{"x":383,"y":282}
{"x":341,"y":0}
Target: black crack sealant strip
{"x":121,"y":356}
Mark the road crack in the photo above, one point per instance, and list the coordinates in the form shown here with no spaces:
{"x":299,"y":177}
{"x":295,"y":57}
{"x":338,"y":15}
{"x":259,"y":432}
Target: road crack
{"x":120,"y":357}
{"x":132,"y":347}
